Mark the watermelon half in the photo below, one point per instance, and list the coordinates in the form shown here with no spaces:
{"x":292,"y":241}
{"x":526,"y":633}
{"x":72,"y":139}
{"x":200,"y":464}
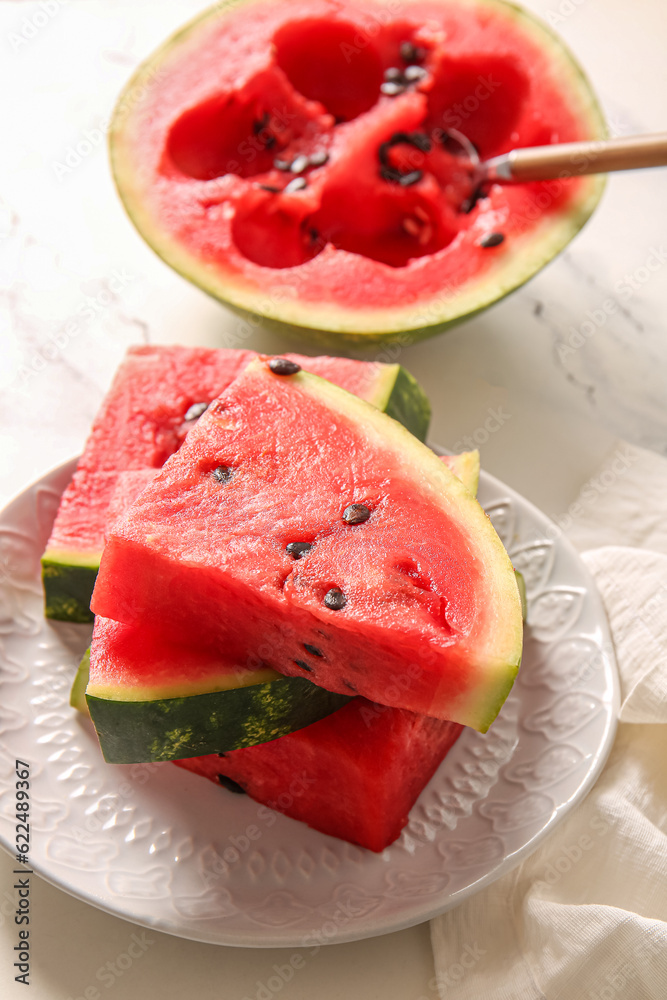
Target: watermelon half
{"x":156,"y":397}
{"x":299,"y":159}
{"x":301,"y":527}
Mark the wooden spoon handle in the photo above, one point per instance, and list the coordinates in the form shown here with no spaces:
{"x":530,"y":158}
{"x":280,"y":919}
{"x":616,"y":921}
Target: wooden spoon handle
{"x":572,"y":159}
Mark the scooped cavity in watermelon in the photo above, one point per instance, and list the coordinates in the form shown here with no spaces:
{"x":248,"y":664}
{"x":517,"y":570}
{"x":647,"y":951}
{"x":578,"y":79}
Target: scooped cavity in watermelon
{"x":301,"y":159}
{"x":354,"y":775}
{"x":157,"y":395}
{"x":300,"y":525}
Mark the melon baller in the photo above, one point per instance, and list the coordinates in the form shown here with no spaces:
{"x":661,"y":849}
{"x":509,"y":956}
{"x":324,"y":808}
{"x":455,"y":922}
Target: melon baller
{"x":560,"y":160}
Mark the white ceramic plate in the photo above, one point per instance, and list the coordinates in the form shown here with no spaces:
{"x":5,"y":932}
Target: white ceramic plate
{"x":163,"y":848}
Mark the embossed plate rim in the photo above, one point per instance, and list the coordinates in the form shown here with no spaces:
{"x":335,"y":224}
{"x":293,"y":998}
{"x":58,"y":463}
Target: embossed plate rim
{"x":391,"y":911}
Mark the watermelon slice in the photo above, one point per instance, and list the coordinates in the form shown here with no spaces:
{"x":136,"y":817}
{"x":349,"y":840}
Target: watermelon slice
{"x":299,"y":525}
{"x":152,"y":700}
{"x":354,"y":775}
{"x":300,"y":159}
{"x":377,"y":759}
{"x":156,"y":397}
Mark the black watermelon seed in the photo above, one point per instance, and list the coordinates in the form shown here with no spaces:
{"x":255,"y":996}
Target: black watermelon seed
{"x":283,"y":366}
{"x":222,"y":474}
{"x":298,"y":549}
{"x":269,"y":142}
{"x":270,"y":188}
{"x":469,"y":203}
{"x":230,"y":785}
{"x":282,"y":164}
{"x":313,"y":650}
{"x":222,"y":755}
{"x":318,"y":159}
{"x":411,"y":53}
{"x":304,"y":666}
{"x":299,"y":164}
{"x":195,"y":411}
{"x":348,"y":684}
{"x":421,"y":141}
{"x":492,"y":240}
{"x":261,"y":123}
{"x":392,"y":88}
{"x":407,"y":180}
{"x":356,"y":513}
{"x":335,"y":599}
{"x":390,"y":174}
{"x":298,"y":184}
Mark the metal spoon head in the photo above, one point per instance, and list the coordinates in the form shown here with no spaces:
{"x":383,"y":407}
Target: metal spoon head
{"x":469,"y":158}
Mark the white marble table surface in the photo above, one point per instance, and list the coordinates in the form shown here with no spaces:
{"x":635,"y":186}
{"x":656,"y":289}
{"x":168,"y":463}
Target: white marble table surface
{"x":67,"y":252}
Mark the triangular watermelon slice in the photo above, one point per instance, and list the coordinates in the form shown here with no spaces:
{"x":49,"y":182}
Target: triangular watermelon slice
{"x":152,"y":699}
{"x":301,"y":528}
{"x":157,"y":394}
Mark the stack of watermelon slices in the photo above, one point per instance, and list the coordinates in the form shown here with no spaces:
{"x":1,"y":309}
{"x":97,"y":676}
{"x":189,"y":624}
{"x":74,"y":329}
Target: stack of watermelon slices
{"x":302,"y":541}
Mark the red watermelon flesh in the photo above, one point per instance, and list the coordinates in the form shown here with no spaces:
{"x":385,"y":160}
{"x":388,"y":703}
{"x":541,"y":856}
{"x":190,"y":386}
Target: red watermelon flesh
{"x":354,"y":775}
{"x":90,"y":504}
{"x":140,"y":660}
{"x":82,"y":514}
{"x":128,"y":487}
{"x":431,"y":618}
{"x":142,"y":421}
{"x":140,"y":664}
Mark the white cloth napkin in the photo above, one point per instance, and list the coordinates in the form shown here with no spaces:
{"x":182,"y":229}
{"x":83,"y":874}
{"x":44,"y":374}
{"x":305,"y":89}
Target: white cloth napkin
{"x":585,"y":917}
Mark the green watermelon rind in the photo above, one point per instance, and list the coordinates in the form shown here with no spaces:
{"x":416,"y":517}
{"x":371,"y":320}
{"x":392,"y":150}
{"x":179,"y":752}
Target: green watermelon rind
{"x":135,"y":732}
{"x":400,"y":396}
{"x":77,"y":696}
{"x":323,"y":323}
{"x":69,"y":576}
{"x":466,"y":467}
